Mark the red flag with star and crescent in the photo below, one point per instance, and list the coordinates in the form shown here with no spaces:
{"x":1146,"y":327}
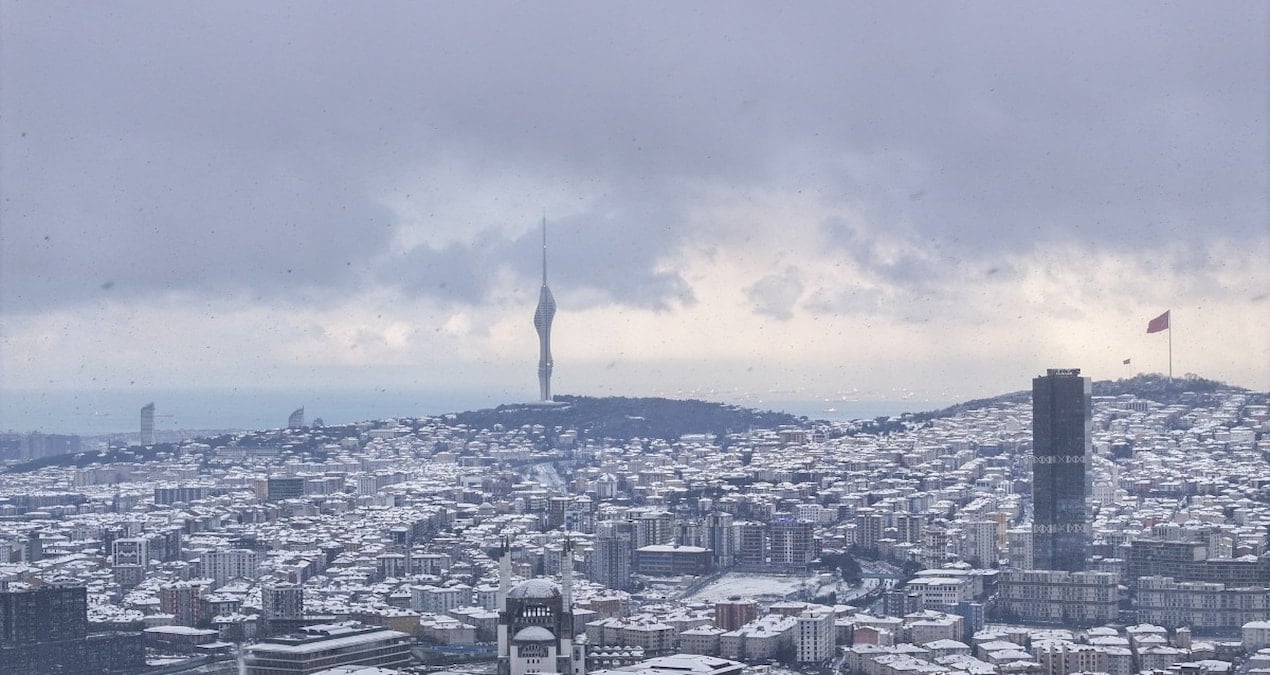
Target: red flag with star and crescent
{"x":1159,"y":323}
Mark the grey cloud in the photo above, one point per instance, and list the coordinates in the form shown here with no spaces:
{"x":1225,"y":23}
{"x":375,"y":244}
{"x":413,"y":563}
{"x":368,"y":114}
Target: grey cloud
{"x":917,"y":267}
{"x":845,"y":301}
{"x":217,"y":146}
{"x":139,"y":219}
{"x":614,"y":253}
{"x":776,"y":294}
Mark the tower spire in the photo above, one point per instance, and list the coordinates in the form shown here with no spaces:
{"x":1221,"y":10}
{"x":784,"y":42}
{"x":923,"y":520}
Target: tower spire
{"x":543,"y":315}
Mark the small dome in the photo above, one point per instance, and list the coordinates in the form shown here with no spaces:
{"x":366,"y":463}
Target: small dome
{"x":534,"y":634}
{"x":534,"y":588}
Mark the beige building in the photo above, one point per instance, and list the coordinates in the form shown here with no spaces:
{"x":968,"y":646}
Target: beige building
{"x":1051,"y":596}
{"x":814,"y":636}
{"x":1200,"y":605}
{"x":1256,"y":635}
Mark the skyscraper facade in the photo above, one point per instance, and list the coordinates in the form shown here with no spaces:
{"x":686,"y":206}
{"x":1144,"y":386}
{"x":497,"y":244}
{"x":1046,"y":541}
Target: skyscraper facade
{"x":610,"y":559}
{"x":45,"y":630}
{"x":542,"y":323}
{"x":1061,"y":448}
{"x":147,"y":424}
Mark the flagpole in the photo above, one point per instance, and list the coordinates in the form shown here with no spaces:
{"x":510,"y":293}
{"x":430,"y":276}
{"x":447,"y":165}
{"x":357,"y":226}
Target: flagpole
{"x":1170,"y":348}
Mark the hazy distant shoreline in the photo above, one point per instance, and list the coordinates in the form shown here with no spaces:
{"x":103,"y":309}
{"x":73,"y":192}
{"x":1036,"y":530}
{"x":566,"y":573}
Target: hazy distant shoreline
{"x":103,"y":412}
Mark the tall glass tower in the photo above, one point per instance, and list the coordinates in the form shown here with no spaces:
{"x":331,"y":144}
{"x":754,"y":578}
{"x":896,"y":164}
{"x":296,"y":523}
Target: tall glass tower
{"x":147,"y":424}
{"x":542,"y":323}
{"x":1061,"y":452}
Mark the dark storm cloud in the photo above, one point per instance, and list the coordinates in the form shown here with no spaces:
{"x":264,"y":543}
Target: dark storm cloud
{"x":141,"y":219}
{"x":916,"y":265}
{"x":149,"y":147}
{"x":612,"y":252}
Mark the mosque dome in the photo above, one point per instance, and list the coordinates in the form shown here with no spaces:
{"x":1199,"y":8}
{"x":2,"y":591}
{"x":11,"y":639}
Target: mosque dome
{"x":539,"y":589}
{"x":533,"y":634}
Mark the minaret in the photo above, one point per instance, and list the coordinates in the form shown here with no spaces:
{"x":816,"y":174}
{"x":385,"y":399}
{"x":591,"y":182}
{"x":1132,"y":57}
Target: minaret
{"x":568,"y":661}
{"x":504,"y":573}
{"x":504,"y":583}
{"x":566,"y":575}
{"x":542,"y":323}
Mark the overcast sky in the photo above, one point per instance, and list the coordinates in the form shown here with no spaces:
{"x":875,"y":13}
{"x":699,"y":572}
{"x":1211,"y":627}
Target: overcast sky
{"x":869,"y":200}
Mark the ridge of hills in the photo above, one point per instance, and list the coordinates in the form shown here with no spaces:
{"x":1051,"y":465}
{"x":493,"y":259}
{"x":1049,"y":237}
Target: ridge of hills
{"x":625,"y":418}
{"x":1152,"y":386}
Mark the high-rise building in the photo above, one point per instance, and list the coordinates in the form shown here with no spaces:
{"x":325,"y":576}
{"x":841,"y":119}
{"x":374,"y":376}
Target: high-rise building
{"x":981,"y":542}
{"x":1062,"y":447}
{"x":147,"y":424}
{"x":239,"y":563}
{"x":1019,"y":548}
{"x":36,"y":445}
{"x":869,"y":525}
{"x":814,"y":636}
{"x":296,"y":419}
{"x":1053,"y":596}
{"x":167,"y":496}
{"x":284,"y":487}
{"x":181,"y":600}
{"x":131,"y":557}
{"x":719,"y":538}
{"x":543,"y":316}
{"x":42,"y":614}
{"x":45,"y":630}
{"x":751,"y":544}
{"x":610,"y":559}
{"x":792,"y":543}
{"x":735,"y":612}
{"x":653,"y":527}
{"x":282,"y":601}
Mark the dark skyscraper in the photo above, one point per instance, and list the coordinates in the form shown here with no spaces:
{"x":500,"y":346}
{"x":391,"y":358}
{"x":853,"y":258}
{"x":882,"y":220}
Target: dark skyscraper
{"x":1061,"y":452}
{"x":45,"y":630}
{"x":542,"y":322}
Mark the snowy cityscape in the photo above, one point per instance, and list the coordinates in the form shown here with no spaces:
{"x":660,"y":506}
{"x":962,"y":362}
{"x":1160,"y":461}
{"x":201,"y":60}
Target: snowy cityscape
{"x":634,"y":338}
{"x":848,"y":547}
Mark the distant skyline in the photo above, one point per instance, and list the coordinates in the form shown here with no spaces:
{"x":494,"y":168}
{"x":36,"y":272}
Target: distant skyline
{"x":933,"y":201}
{"x":93,"y":412}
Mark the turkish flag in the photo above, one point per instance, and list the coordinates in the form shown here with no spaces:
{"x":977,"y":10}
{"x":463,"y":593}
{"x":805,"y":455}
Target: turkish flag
{"x":1159,"y":323}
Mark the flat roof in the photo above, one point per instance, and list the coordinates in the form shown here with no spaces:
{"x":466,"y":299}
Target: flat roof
{"x":331,"y":643}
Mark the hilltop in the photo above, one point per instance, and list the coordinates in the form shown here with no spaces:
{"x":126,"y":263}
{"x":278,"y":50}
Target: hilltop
{"x":1189,"y":389}
{"x":625,"y":418}
{"x":1156,"y":387}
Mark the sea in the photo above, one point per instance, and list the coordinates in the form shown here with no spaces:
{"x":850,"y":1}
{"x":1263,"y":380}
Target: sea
{"x":99,"y":412}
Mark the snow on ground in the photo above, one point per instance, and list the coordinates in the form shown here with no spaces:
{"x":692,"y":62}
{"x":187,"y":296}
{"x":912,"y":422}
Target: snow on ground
{"x":764,"y":586}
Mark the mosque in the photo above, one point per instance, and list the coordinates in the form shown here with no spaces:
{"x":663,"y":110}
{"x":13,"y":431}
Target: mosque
{"x":535,"y":622}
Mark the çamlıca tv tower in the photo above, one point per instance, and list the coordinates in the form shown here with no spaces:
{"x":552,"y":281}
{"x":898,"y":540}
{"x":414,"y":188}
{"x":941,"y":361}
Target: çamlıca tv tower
{"x":542,"y":323}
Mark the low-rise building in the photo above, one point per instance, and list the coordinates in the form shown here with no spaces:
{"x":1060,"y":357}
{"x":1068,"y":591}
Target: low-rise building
{"x":325,"y":646}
